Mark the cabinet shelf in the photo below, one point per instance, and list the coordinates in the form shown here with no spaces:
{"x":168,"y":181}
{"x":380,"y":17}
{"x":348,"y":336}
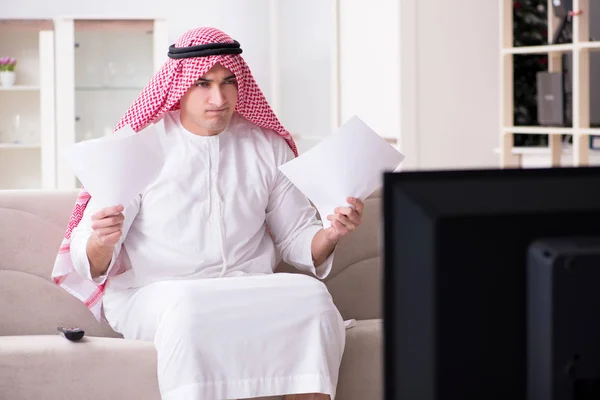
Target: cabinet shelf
{"x":553,"y":48}
{"x":18,"y":146}
{"x":20,"y":88}
{"x":541,"y":130}
{"x":551,"y":130}
{"x":589,"y":45}
{"x":544,"y":151}
{"x":107,"y":88}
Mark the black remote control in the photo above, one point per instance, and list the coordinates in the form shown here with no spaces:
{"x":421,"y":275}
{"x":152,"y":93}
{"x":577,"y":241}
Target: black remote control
{"x":72,"y":334}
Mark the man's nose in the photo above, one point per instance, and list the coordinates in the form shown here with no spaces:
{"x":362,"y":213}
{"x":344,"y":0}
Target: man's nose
{"x":216,"y":96}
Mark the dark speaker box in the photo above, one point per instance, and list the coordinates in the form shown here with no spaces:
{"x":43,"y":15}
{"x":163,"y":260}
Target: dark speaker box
{"x":563,"y":319}
{"x":567,"y":64}
{"x":550,"y":97}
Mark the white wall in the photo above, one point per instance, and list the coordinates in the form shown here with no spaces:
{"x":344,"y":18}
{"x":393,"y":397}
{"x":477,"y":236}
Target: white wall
{"x":305,"y":55}
{"x":425,"y":72}
{"x":458,"y":58}
{"x":453,"y":108}
{"x":370,"y":64}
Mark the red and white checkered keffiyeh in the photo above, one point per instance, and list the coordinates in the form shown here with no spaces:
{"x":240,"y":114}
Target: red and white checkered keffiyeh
{"x":162,"y":94}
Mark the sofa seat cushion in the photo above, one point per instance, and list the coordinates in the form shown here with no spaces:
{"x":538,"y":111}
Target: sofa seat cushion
{"x":50,"y":367}
{"x":361,"y":374}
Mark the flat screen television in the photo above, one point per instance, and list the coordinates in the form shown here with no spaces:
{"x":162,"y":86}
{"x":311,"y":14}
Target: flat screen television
{"x":455,"y":254}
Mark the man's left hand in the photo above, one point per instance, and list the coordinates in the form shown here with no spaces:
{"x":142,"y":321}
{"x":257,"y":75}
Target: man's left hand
{"x":345,"y":219}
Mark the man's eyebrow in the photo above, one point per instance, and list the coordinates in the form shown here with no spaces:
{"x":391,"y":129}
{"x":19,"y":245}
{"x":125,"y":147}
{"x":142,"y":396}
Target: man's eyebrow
{"x":227,"y":78}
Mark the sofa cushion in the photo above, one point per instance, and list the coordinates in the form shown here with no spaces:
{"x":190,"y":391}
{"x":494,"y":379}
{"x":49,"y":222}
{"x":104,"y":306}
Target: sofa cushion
{"x":356,"y":290}
{"x":33,"y":224}
{"x":29,"y":242}
{"x":31,"y":305}
{"x":50,"y":367}
{"x":361,"y":374}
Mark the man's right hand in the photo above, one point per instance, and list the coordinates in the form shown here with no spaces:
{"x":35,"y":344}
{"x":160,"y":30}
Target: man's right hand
{"x":107,"y":224}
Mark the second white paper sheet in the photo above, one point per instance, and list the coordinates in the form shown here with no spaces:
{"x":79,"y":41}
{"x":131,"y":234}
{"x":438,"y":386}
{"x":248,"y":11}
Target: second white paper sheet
{"x":116,"y":168}
{"x":348,"y":163}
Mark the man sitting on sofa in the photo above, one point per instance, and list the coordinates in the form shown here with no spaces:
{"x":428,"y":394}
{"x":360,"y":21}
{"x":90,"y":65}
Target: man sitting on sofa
{"x":219,"y":209}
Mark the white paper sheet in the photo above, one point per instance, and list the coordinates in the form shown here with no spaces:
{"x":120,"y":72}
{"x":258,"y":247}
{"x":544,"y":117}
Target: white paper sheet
{"x":116,"y":168}
{"x":349,"y":163}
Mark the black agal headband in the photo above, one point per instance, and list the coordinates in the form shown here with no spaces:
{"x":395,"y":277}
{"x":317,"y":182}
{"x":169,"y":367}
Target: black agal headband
{"x":204,"y":50}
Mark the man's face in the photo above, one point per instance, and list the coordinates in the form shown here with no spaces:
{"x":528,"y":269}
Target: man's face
{"x":207,"y":107}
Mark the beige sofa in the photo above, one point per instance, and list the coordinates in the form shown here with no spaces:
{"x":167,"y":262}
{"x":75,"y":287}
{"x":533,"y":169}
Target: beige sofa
{"x":36,"y":363}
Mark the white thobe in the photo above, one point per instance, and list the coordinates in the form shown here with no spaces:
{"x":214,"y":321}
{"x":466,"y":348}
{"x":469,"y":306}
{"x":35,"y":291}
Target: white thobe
{"x":199,"y":261}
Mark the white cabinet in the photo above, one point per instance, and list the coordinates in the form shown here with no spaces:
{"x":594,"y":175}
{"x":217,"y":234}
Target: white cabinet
{"x":27,"y":108}
{"x":75,"y":78}
{"x":101,"y":67}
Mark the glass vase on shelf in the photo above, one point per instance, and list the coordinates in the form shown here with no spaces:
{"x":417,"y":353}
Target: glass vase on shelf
{"x":130,"y":75}
{"x":23,"y":132}
{"x":17,"y":131}
{"x":110,"y":73}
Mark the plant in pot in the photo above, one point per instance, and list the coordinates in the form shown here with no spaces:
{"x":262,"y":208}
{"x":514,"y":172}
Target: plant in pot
{"x":7,"y":71}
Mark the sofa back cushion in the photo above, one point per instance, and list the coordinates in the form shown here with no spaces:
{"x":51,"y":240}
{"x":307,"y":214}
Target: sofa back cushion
{"x":32,"y":225}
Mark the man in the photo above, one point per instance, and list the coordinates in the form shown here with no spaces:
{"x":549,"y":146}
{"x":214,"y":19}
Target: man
{"x":188,"y":264}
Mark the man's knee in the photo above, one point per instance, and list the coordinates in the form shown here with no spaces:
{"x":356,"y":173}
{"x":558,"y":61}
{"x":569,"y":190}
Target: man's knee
{"x":178,"y":314}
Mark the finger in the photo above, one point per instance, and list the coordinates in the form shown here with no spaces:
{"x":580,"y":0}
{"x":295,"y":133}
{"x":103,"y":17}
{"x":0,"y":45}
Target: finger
{"x":349,"y":212}
{"x":340,"y":228}
{"x":112,"y":239}
{"x":108,"y":221}
{"x":344,"y":210}
{"x":344,"y":220}
{"x":354,"y":218}
{"x":357,"y":203}
{"x":108,"y":211}
{"x":103,"y":232}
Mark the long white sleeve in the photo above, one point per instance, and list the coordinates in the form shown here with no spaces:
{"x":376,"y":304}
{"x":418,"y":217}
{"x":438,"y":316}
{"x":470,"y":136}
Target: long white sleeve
{"x":83,"y":231}
{"x":293,"y":221}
